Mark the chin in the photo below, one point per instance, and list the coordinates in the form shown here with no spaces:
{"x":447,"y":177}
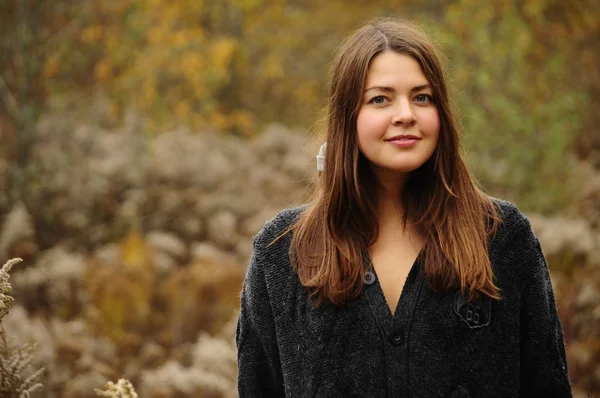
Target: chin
{"x":407,"y":167}
{"x":399,"y":168}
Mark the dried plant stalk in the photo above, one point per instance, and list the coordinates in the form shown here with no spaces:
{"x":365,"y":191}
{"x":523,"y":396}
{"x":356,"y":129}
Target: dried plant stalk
{"x":13,"y":364}
{"x":6,"y":301}
{"x":123,"y":389}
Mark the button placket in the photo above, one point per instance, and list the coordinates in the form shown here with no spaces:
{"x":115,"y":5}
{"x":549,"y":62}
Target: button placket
{"x":369,"y":278}
{"x":396,"y":338}
{"x":395,"y":328}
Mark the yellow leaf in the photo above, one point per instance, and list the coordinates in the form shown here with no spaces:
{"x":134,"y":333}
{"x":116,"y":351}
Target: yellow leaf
{"x":102,"y":71}
{"x":222,"y":51}
{"x":51,"y":67}
{"x":134,"y":253}
{"x":220,"y":122}
{"x":182,"y":109}
{"x":91,"y":34}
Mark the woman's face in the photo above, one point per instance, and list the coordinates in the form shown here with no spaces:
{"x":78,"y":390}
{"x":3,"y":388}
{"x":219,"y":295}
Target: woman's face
{"x":398,"y":123}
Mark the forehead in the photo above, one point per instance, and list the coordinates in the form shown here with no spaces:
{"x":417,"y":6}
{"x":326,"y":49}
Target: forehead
{"x":391,"y":69}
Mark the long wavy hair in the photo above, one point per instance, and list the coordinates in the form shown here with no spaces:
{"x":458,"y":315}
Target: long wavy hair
{"x":329,"y":247}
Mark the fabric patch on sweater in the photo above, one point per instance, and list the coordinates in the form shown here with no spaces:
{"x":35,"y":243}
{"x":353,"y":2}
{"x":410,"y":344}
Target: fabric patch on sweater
{"x":477,"y":313}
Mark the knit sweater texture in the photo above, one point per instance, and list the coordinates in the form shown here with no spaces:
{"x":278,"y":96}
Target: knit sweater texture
{"x":434,"y":345}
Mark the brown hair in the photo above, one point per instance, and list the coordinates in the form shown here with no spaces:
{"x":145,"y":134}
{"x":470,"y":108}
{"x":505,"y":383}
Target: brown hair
{"x":330,"y":239}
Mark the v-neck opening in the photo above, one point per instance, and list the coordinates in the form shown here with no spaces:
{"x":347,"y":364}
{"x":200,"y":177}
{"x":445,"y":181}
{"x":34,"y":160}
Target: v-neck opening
{"x":411,"y":278}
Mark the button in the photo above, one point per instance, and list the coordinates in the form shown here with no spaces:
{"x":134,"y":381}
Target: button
{"x":396,"y":338}
{"x":369,"y":278}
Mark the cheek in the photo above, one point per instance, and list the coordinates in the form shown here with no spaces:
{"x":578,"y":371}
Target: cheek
{"x":370,"y":125}
{"x":429,"y":123}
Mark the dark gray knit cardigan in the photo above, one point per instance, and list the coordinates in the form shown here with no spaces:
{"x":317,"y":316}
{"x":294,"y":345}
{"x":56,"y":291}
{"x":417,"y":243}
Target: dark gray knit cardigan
{"x":435,"y":345}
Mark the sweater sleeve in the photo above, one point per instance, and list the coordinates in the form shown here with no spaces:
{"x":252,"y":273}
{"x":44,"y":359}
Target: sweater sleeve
{"x":259,"y":370}
{"x":543,"y":359}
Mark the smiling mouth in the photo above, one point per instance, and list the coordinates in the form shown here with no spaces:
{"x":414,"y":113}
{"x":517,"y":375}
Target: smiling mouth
{"x":404,"y":138}
{"x":404,"y":141}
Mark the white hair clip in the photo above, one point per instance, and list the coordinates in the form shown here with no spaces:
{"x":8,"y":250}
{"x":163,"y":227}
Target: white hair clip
{"x":321,"y":158}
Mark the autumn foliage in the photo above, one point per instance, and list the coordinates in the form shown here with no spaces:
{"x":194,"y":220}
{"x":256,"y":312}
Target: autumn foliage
{"x":232,"y":66}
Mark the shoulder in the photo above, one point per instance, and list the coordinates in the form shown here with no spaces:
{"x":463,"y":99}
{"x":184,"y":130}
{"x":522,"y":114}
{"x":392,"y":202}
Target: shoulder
{"x":512,"y":221}
{"x":270,"y":255}
{"x":510,"y":215}
{"x":514,"y":235}
{"x":277,"y":226}
{"x":516,"y":244}
{"x":270,"y":271}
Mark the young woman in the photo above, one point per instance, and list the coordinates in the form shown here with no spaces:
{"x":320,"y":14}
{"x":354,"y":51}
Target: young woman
{"x":401,"y":279}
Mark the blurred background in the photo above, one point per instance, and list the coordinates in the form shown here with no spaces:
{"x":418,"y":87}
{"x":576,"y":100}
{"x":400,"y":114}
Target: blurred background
{"x":144,"y":142}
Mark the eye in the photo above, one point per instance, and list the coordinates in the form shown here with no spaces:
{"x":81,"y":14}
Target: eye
{"x":424,"y":98}
{"x":380,"y":99}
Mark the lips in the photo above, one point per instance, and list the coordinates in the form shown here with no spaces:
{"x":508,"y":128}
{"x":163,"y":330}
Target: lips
{"x":403,"y":140}
{"x":404,"y":137}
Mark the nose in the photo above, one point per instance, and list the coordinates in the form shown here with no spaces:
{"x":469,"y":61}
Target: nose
{"x":403,"y":115}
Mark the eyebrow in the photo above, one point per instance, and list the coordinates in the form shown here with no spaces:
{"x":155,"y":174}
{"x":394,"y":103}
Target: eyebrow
{"x":388,"y":89}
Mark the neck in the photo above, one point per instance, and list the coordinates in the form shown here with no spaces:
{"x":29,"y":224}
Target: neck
{"x":389,"y":202}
